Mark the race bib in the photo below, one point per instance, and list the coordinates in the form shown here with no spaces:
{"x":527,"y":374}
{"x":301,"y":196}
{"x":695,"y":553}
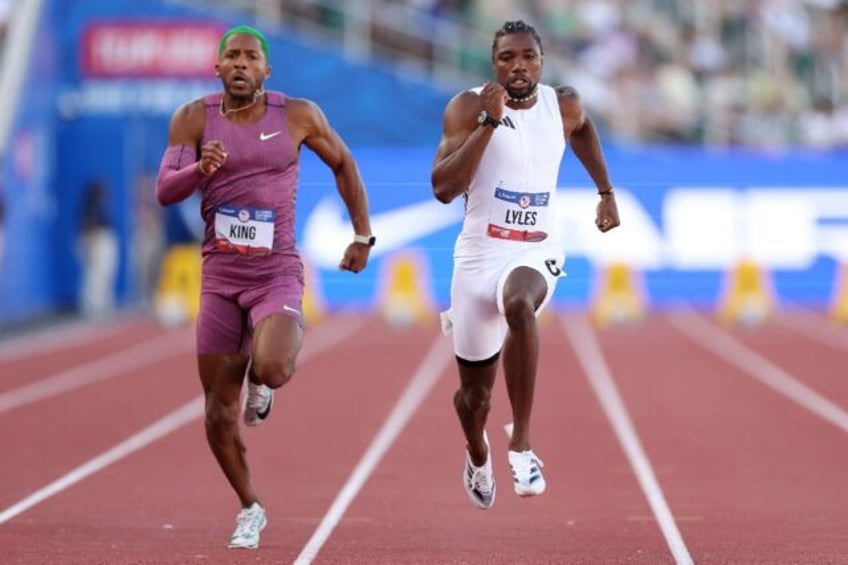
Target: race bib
{"x":249,"y":231}
{"x":519,"y":216}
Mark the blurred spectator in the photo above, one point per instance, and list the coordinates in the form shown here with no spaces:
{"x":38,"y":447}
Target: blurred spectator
{"x":98,"y":245}
{"x":5,"y":19}
{"x":823,"y":127}
{"x":715,"y":72}
{"x":148,"y":238}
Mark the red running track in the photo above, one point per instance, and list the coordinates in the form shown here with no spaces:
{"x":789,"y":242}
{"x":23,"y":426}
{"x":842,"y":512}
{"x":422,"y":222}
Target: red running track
{"x":674,"y":441}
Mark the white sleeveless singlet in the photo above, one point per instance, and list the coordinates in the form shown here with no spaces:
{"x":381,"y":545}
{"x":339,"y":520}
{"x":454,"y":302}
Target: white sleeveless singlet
{"x":511,"y":201}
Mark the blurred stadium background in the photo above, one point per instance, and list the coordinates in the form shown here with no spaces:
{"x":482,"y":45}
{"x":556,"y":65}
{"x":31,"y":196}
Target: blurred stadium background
{"x":725,"y":125}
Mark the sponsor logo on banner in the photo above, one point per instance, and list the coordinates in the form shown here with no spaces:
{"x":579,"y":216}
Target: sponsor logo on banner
{"x":121,"y":49}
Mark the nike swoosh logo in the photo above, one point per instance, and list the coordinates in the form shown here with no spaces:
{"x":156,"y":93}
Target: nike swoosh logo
{"x":266,"y":136}
{"x":288,"y":308}
{"x":327,"y":231}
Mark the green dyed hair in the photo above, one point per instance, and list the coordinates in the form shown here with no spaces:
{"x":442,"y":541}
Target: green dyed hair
{"x":247,"y":30}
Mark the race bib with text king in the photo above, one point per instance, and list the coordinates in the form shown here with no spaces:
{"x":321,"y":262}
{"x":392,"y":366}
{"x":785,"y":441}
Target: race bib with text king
{"x":249,"y":231}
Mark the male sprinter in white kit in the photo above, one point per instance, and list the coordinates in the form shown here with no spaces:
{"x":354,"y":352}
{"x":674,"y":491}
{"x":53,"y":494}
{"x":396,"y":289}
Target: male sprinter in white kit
{"x":501,"y":148}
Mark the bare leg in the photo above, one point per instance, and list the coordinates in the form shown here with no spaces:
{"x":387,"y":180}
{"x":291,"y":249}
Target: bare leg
{"x":222,"y":377}
{"x":524,"y":291}
{"x":276,"y":342}
{"x":472,"y":402}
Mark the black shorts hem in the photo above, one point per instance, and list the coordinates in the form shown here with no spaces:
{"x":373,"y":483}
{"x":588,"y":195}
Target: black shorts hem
{"x":481,"y":363}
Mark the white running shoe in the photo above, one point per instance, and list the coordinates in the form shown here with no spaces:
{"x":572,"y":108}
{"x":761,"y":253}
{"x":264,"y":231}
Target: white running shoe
{"x":249,"y":522}
{"x":527,"y":473}
{"x":258,"y":405}
{"x":479,"y":482}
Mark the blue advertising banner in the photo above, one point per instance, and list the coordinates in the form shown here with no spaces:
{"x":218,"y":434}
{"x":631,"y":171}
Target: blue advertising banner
{"x":108,"y":76}
{"x":28,"y":208}
{"x":688,"y":215}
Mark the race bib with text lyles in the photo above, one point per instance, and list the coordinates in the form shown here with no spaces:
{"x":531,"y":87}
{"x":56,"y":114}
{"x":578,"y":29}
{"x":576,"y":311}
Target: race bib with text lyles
{"x":249,"y":231}
{"x":519,"y":216}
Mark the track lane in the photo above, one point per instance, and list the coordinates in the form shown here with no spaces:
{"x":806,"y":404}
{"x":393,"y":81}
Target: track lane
{"x":750,"y":475}
{"x":59,"y":337}
{"x":300,"y":458}
{"x":23,"y":364}
{"x":56,"y":434}
{"x":812,"y":350}
{"x":414,"y":510}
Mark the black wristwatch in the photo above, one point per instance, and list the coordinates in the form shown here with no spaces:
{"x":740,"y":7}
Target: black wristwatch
{"x":368,"y":240}
{"x":485,"y":119}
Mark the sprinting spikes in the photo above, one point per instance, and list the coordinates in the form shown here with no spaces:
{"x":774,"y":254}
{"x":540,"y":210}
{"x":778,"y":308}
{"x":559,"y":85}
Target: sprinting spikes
{"x":527,"y":473}
{"x":249,"y":522}
{"x":259,"y":400}
{"x":479,"y":482}
{"x":258,"y":405}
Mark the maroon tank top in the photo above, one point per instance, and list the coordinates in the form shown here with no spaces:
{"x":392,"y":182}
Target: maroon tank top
{"x":248,"y":205}
{"x":257,"y":185}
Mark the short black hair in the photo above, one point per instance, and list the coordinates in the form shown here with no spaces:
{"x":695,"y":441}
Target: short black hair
{"x":517,"y":26}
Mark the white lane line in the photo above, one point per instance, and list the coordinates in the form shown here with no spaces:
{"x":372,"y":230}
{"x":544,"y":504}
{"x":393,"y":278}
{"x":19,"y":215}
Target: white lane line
{"x":119,"y":363}
{"x":419,"y":387}
{"x":592,"y":360}
{"x":818,"y":330}
{"x":145,"y":437}
{"x":63,"y":335}
{"x":324,"y":338}
{"x":710,"y":337}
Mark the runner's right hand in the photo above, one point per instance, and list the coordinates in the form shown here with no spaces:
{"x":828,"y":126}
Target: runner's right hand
{"x":212,"y":157}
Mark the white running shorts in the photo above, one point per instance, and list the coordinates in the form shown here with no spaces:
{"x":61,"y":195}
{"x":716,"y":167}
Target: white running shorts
{"x":475,"y":317}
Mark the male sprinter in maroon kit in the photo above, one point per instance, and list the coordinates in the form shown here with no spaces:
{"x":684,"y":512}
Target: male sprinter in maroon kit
{"x":240,"y":148}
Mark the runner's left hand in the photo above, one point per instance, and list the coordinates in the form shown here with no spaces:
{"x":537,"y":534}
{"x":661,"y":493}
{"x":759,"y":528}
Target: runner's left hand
{"x":606,"y":214}
{"x":355,"y":257}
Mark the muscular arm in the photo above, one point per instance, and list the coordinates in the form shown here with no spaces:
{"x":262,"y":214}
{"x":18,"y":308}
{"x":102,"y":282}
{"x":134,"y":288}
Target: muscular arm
{"x":583,"y":138}
{"x":179,"y":172}
{"x":308,"y":124}
{"x":460,"y":148}
{"x":581,"y":134}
